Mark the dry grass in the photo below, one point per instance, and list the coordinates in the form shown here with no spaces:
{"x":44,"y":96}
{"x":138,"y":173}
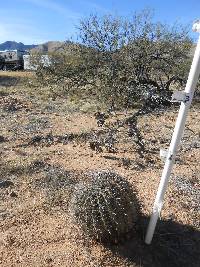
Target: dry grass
{"x":20,"y":74}
{"x":35,"y":227}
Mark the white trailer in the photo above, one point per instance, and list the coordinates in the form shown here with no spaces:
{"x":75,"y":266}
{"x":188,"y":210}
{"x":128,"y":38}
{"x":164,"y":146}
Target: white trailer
{"x":13,"y":59}
{"x":32,"y":62}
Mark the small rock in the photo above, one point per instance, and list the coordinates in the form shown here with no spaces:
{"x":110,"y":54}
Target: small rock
{"x":13,"y":194}
{"x":6,"y":183}
{"x":2,"y":139}
{"x":37,"y":165}
{"x":35,"y":140}
{"x":49,"y":260}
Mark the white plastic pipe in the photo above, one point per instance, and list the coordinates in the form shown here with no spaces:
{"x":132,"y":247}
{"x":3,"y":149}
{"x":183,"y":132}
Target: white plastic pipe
{"x":175,"y":141}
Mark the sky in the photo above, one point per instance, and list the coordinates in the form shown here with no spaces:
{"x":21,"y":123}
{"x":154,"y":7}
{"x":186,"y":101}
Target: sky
{"x":38,"y":21}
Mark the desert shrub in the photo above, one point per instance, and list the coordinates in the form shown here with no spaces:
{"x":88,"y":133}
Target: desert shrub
{"x":105,"y":207}
{"x":118,"y":60}
{"x":120,"y":63}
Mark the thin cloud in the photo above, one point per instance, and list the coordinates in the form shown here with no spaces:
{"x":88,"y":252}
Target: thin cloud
{"x":25,"y":29}
{"x":96,"y":7}
{"x":52,"y":5}
{"x":19,"y":32}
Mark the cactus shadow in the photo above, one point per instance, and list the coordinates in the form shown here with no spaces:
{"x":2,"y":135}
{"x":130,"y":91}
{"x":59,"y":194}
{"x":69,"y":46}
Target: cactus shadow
{"x":173,"y":245}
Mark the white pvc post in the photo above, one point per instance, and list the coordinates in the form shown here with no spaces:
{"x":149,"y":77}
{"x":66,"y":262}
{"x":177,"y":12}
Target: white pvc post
{"x":175,"y":141}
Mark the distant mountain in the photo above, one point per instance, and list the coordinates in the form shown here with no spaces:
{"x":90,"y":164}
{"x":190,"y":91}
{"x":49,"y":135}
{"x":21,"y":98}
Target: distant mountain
{"x":45,"y":48}
{"x":11,"y":45}
{"x":48,"y":47}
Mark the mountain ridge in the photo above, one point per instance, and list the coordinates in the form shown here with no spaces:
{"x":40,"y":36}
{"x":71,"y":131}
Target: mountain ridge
{"x":12,"y":45}
{"x":50,"y":46}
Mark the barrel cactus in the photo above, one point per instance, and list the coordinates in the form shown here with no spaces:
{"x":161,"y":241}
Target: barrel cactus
{"x":105,"y":206}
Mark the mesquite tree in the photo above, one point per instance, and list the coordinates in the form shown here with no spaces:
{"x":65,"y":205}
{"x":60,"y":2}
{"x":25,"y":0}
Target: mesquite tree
{"x":119,"y":60}
{"x":123,"y":62}
{"x":129,"y":56}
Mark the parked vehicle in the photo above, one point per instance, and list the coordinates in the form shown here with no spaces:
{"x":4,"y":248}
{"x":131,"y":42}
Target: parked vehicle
{"x":2,"y":62}
{"x":22,"y":60}
{"x":32,"y":62}
{"x":12,"y":59}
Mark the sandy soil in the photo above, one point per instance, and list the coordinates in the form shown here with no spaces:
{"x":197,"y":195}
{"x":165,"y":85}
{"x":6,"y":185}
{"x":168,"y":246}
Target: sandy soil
{"x":39,"y":139}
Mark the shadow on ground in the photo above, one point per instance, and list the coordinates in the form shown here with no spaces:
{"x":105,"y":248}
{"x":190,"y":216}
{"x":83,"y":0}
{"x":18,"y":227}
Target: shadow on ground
{"x":173,"y":245}
{"x":8,"y":81}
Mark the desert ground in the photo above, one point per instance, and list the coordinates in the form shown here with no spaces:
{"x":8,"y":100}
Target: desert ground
{"x":43,"y":139}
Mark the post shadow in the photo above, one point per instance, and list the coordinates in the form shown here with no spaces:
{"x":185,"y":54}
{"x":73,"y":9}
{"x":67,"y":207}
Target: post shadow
{"x":173,"y":245}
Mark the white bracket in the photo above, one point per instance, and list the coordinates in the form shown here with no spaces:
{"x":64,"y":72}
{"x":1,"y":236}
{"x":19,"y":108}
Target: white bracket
{"x":163,"y":153}
{"x":196,"y":26}
{"x":180,"y":96}
{"x":166,"y":154}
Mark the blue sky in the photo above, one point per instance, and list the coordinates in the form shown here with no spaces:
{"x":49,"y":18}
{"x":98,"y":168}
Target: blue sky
{"x":37,"y":21}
